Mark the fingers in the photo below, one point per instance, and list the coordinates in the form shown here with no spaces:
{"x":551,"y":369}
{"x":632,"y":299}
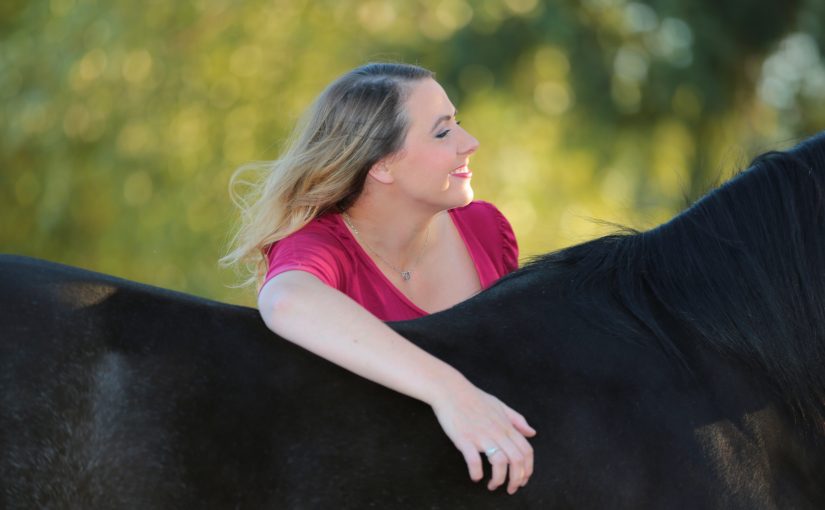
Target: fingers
{"x":528,"y":466}
{"x":519,"y":478}
{"x":527,"y":451}
{"x":513,"y":456}
{"x":499,"y":461}
{"x":519,"y":422}
{"x":473,"y":460}
{"x":477,"y":421}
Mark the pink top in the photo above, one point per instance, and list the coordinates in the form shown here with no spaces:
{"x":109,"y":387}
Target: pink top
{"x":327,"y":249}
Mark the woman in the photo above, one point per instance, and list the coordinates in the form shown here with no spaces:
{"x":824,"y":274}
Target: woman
{"x":368,"y":217}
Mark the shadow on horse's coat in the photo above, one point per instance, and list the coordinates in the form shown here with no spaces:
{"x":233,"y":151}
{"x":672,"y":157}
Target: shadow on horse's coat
{"x":676,"y":368}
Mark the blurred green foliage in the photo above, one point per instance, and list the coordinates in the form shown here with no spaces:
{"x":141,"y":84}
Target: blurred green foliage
{"x":122,"y":121}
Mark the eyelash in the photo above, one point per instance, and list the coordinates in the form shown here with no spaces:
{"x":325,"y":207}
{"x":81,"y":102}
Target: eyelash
{"x":446,"y":131}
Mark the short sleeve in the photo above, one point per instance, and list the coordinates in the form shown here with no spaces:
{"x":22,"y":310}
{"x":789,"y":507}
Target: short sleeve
{"x":313,"y":250}
{"x":489,"y":239}
{"x":509,"y":244}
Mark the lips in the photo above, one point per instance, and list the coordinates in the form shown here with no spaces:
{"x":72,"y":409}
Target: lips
{"x":462,"y":171}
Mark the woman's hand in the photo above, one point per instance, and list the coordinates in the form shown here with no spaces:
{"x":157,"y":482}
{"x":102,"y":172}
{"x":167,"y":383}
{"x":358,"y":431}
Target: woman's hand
{"x":478,"y":422}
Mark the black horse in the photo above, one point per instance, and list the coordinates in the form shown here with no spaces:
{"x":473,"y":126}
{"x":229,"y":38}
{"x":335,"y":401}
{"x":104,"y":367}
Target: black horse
{"x":682,"y":367}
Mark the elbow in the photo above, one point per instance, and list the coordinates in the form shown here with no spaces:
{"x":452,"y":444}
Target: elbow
{"x":279,"y":303}
{"x":273,"y":308}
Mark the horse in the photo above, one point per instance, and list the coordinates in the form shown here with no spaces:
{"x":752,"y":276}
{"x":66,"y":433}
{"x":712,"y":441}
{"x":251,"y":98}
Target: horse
{"x":679,"y":367}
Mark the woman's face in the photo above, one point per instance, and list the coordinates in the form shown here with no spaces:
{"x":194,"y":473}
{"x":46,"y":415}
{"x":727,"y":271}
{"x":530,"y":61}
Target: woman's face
{"x":432,"y":166}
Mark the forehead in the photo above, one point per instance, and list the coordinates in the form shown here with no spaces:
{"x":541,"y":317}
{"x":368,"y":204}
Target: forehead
{"x":426,"y":103}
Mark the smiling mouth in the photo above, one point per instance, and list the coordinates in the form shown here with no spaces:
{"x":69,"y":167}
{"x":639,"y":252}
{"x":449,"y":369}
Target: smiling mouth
{"x":462,"y":170}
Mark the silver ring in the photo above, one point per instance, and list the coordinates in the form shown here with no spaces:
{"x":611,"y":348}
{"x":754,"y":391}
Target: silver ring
{"x":490,"y":451}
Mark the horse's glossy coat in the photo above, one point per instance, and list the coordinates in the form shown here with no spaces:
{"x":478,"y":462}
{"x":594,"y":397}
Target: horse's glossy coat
{"x":114,"y":394}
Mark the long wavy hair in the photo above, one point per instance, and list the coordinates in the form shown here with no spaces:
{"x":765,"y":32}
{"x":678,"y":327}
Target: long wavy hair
{"x":355,"y":122}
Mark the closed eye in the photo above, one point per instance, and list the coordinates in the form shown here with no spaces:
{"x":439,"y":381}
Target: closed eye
{"x":444,"y":133}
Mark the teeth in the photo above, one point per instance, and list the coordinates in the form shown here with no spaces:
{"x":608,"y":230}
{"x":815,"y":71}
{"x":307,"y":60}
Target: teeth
{"x":462,"y":170}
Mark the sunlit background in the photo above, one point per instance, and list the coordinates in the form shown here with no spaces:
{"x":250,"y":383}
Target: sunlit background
{"x":121,"y":121}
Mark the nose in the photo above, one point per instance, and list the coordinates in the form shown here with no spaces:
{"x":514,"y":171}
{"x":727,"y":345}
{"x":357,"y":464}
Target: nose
{"x":470,"y":144}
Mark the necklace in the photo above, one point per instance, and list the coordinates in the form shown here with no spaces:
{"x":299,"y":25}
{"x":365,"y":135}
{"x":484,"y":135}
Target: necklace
{"x":405,"y":274}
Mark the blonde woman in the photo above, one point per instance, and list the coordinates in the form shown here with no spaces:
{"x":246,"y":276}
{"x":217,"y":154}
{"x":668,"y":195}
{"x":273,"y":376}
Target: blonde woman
{"x":368,"y":217}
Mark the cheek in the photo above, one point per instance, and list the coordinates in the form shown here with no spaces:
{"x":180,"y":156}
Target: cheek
{"x":430,"y":162}
{"x":439,"y":159}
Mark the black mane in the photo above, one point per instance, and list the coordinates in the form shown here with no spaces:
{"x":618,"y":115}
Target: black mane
{"x":743,"y":269}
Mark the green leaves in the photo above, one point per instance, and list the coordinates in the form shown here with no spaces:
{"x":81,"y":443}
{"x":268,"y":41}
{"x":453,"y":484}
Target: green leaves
{"x":122,"y":121}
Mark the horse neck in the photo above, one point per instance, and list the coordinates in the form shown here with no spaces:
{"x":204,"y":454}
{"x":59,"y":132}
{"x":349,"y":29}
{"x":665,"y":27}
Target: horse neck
{"x":745,"y":269}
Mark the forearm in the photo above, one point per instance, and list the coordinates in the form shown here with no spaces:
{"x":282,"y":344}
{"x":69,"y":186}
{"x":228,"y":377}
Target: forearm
{"x":324,"y":321}
{"x":300,"y":308}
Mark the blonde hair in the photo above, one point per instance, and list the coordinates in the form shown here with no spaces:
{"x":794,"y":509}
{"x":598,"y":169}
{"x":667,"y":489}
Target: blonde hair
{"x":356,"y":121}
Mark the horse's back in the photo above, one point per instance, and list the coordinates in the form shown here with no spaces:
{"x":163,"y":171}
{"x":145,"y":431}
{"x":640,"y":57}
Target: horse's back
{"x":121,"y":395}
{"x":110,"y":389}
{"x":116,"y":394}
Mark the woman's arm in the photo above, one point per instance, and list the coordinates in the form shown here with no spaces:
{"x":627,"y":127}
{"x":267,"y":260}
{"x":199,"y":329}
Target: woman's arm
{"x":351,"y":337}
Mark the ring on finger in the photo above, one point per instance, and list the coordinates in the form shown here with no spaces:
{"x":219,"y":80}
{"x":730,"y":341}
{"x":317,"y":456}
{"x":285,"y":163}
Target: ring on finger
{"x":490,"y":451}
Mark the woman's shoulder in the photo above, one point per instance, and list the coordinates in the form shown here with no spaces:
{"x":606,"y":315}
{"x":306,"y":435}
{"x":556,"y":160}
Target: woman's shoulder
{"x":324,"y":235}
{"x":490,"y":233}
{"x":320,"y":247}
{"x":326,"y":226}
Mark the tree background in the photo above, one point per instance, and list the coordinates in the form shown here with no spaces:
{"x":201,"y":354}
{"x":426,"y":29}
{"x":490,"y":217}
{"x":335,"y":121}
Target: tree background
{"x":122,"y":121}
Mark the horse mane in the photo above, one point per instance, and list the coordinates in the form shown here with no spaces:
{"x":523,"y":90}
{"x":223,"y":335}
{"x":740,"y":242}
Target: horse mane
{"x":742,"y":269}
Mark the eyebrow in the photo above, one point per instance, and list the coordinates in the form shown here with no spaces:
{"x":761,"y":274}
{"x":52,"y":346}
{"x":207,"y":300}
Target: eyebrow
{"x":442,"y":119}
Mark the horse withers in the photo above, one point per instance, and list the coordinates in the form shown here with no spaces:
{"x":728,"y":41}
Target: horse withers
{"x":675,"y":368}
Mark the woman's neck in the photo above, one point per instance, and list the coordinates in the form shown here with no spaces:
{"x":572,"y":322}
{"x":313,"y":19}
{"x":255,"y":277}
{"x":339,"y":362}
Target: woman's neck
{"x":397,"y":234}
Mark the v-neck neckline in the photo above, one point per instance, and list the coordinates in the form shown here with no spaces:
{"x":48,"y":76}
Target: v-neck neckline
{"x":374,"y":267}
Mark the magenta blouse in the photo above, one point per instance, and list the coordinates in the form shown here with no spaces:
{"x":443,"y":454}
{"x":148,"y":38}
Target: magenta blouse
{"x":326,"y":248}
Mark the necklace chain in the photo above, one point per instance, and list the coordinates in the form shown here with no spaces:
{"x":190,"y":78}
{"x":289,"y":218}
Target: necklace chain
{"x":405,"y":274}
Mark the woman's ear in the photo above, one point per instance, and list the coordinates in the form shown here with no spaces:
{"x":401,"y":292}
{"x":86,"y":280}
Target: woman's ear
{"x":381,"y":173}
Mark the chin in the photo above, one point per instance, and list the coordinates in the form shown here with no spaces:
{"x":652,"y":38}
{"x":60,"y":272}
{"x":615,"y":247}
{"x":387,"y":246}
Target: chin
{"x":454,"y":199}
{"x":465,"y":199}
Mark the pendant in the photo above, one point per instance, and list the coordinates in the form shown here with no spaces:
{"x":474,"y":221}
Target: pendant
{"x":406,"y":275}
